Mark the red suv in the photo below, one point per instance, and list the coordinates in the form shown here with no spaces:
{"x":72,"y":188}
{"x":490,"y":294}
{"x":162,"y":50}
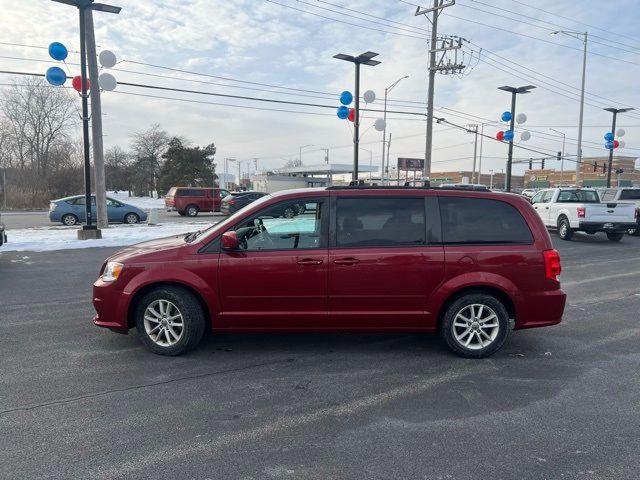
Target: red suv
{"x":190,"y":201}
{"x":471,"y":265}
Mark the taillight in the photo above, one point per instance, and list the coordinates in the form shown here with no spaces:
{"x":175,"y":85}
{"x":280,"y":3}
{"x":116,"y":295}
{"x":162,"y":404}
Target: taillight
{"x":552,"y":266}
{"x":580,"y":212}
{"x":637,"y":213}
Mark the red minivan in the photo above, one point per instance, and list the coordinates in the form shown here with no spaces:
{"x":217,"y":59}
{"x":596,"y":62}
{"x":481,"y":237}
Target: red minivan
{"x":190,"y":201}
{"x":472,"y":265}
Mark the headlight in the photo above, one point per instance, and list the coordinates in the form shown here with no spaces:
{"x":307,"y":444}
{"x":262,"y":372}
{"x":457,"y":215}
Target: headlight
{"x":112,"y":271}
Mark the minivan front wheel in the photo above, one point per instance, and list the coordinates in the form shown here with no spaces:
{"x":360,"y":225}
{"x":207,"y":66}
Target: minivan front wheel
{"x":169,"y":320}
{"x":475,"y":325}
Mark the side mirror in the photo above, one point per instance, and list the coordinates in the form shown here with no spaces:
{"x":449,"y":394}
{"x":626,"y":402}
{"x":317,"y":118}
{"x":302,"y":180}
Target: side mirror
{"x":230,"y":240}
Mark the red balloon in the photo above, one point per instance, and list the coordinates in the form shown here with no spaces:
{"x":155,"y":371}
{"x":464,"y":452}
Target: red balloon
{"x":352,"y":114}
{"x":616,"y":144}
{"x":500,"y":135}
{"x":77,"y":83}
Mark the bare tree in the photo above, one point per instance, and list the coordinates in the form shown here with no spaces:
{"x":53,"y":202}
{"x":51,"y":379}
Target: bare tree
{"x":117,"y":163}
{"x":148,"y":147}
{"x":36,"y":117}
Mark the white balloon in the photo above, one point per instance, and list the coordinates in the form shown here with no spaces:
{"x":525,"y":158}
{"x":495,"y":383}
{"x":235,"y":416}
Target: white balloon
{"x":521,"y":118}
{"x":620,"y":132}
{"x":526,"y":135}
{"x":107,"y":82}
{"x":369,"y":96}
{"x":621,"y":144}
{"x":107,"y":58}
{"x":380,"y":124}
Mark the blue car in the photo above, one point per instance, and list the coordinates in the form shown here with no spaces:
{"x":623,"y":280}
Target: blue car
{"x":71,"y":211}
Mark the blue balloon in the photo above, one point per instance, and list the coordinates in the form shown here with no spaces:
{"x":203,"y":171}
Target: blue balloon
{"x":56,"y":76}
{"x":609,"y":145}
{"x":346,"y":98}
{"x":508,"y":135}
{"x":58,"y":51}
{"x":609,"y":137}
{"x":343,"y":112}
{"x":506,"y":117}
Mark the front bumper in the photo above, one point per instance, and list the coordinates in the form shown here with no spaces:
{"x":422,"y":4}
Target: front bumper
{"x":111,"y":305}
{"x":607,"y":226}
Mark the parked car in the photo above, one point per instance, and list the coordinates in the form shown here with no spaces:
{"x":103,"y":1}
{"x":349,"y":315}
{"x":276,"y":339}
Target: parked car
{"x":72,"y":210}
{"x":471,"y":265}
{"x":528,"y":192}
{"x":3,"y":233}
{"x":624,"y":194}
{"x":190,"y":201}
{"x":569,"y":210}
{"x":237,"y":200}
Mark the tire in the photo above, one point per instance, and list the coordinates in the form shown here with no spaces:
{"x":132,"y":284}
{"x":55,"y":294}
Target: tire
{"x":131,"y":218}
{"x":615,"y":236}
{"x":634,"y":232}
{"x":170,"y":339}
{"x":192,"y":211}
{"x":464,"y":337}
{"x":289,"y":212}
{"x":564,"y":229}
{"x":182,"y":214}
{"x":69,"y":220}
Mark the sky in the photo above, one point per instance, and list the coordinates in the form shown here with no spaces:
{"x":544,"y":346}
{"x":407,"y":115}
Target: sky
{"x":283,"y":50}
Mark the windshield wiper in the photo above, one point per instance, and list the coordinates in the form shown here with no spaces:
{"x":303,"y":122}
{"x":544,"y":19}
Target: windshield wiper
{"x":191,"y":236}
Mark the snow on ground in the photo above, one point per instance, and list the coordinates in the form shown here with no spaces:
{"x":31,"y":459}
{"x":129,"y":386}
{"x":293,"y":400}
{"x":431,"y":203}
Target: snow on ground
{"x":144,"y":203}
{"x":43,"y":239}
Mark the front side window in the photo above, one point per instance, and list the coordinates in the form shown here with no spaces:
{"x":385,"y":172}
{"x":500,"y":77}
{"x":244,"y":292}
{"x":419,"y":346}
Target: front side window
{"x":113,"y":203}
{"x":289,"y":225}
{"x":481,"y":221}
{"x":537,"y":198}
{"x":224,"y":193}
{"x":380,"y":222}
{"x":548,"y":195}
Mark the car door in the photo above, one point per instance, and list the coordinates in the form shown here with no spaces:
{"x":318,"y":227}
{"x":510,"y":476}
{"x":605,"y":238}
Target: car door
{"x":115,"y":210}
{"x":277,"y":279}
{"x":382,"y":268}
{"x":78,"y":209}
{"x":541,"y":204}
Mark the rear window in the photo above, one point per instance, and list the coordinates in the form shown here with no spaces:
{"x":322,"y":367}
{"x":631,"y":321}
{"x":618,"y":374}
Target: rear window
{"x":630,"y":195}
{"x":380,"y":222}
{"x":578,"y":196}
{"x":190,"y":192}
{"x":481,"y":221}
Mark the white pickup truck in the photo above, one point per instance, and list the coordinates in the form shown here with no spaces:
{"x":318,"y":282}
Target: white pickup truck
{"x":623,"y":194}
{"x":579,"y":209}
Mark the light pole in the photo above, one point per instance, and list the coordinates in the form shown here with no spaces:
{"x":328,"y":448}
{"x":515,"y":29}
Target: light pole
{"x":561,"y":158}
{"x":365,"y":58}
{"x":303,"y":146}
{"x":583,"y":36}
{"x":83,"y":6}
{"x":384,"y":131}
{"x":474,"y":129}
{"x":370,"y":161}
{"x":491,"y":180}
{"x":514,"y":91}
{"x":226,"y":171}
{"x":615,"y":112}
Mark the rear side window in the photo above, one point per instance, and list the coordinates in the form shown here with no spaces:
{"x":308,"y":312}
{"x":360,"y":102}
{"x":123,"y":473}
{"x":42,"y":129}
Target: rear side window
{"x":481,"y":221}
{"x":190,"y":192}
{"x":630,"y":195}
{"x":380,"y":222}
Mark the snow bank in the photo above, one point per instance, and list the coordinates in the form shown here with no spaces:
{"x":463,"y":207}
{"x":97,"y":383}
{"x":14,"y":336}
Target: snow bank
{"x":144,"y":203}
{"x":45,"y":239}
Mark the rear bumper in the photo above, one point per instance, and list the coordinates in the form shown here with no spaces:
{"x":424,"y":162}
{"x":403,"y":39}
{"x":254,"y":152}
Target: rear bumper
{"x":111,"y":305}
{"x":607,"y":226}
{"x":541,"y":310}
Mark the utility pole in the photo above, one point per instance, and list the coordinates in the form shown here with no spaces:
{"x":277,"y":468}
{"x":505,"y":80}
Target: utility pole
{"x":474,"y":129}
{"x":388,"y":148}
{"x":96,"y":124}
{"x":438,"y":5}
{"x":326,"y":155}
{"x":562,"y":157}
{"x":480,"y":156}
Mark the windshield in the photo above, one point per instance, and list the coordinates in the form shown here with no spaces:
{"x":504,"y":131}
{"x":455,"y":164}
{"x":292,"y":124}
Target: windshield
{"x":630,"y":195}
{"x":232,"y":219}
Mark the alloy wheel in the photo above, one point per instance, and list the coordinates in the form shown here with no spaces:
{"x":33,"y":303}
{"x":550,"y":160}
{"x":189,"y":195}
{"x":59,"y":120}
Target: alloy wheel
{"x":475,"y":326}
{"x":163,"y":323}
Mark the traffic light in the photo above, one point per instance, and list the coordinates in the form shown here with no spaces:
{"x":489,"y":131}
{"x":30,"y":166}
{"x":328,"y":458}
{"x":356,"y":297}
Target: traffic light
{"x":530,"y":164}
{"x":595,"y":167}
{"x":542,"y":165}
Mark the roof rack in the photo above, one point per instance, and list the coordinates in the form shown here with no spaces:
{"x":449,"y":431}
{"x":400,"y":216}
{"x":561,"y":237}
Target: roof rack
{"x":480,"y":188}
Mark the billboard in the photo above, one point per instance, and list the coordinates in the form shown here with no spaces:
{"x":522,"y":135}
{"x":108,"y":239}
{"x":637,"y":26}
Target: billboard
{"x":412,"y":164}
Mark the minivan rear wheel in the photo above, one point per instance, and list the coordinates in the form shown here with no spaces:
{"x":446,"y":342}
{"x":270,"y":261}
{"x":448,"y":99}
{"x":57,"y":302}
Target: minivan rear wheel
{"x":476,"y":325}
{"x":169,"y":320}
{"x":192,"y":211}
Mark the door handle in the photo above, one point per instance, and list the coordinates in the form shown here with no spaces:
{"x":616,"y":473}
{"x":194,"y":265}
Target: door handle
{"x":346,"y":261}
{"x":310,"y":261}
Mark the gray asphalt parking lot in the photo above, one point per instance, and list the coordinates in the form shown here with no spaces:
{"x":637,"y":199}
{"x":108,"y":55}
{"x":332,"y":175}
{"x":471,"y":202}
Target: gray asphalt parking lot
{"x":80,"y":402}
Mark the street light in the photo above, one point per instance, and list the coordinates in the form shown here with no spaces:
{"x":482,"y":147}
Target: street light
{"x":583,"y":36}
{"x":514,"y":91}
{"x":561,"y":158}
{"x":615,"y":112}
{"x":226,"y":171}
{"x":82,"y":6}
{"x":384,"y":131}
{"x":370,"y":161}
{"x":365,"y":58}
{"x":304,"y":146}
